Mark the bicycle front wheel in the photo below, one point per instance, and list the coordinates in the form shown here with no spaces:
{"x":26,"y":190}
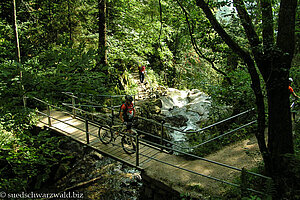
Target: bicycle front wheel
{"x":105,"y":135}
{"x":128,"y":144}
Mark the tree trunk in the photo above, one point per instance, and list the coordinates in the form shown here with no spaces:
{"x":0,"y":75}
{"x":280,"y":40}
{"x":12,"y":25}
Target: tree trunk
{"x":280,"y":141}
{"x":70,"y":22}
{"x":102,"y":52}
{"x":18,"y":51}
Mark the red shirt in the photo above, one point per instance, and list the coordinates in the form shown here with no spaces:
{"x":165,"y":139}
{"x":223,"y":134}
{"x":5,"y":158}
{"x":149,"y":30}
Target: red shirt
{"x":291,"y":90}
{"x":142,"y":69}
{"x":128,"y":110}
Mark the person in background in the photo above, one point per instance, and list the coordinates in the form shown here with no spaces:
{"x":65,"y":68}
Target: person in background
{"x":291,"y":89}
{"x":142,"y":71}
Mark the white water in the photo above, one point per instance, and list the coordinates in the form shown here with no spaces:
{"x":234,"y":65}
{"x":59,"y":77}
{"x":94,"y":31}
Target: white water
{"x":193,"y":104}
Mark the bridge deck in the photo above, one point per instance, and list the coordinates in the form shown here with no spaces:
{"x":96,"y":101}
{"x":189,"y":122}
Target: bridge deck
{"x":75,"y":128}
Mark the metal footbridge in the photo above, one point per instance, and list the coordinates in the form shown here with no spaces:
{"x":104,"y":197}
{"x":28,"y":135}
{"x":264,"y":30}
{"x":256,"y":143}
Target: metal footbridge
{"x":80,"y":118}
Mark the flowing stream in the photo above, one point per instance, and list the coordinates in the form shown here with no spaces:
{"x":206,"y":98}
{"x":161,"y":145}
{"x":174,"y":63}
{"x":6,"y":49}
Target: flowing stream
{"x":185,"y":109}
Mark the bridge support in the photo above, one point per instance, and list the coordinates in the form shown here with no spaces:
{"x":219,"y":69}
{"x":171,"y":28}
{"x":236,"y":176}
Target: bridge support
{"x":156,"y":190}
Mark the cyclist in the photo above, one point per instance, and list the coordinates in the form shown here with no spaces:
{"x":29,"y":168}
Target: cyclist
{"x":291,"y":89}
{"x":295,"y":96}
{"x":127,"y":112}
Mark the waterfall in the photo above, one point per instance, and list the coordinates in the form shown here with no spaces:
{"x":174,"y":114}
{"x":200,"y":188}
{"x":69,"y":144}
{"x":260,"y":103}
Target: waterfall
{"x":185,"y":109}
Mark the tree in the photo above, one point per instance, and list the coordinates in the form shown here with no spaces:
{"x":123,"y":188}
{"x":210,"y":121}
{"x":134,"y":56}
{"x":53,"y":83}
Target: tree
{"x":18,"y":51}
{"x":102,"y":33}
{"x":272,"y":57}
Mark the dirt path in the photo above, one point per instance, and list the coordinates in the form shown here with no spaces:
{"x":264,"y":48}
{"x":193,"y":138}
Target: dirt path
{"x":143,"y":88}
{"x":183,"y":181}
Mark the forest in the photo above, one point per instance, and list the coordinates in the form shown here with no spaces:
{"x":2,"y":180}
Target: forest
{"x":240,"y":53}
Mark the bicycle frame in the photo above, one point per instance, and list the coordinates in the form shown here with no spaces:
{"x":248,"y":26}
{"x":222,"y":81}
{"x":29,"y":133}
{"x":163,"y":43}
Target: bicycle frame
{"x":109,"y":134}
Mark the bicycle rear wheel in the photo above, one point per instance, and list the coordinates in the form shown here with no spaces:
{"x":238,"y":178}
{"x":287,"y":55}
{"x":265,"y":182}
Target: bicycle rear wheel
{"x":128,"y":144}
{"x":105,"y":135}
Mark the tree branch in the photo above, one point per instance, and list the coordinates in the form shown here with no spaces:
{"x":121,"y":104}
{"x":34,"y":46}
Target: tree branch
{"x":252,"y":71}
{"x":196,"y":48}
{"x":219,"y":29}
{"x":248,"y":27}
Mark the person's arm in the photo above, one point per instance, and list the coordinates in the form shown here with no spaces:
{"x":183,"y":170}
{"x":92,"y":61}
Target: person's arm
{"x":295,"y":95}
{"x":121,"y":116}
{"x":133,"y":112}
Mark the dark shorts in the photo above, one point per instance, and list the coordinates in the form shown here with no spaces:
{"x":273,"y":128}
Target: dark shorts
{"x":128,"y":124}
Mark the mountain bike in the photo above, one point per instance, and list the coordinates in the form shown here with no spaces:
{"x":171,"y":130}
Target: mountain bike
{"x":109,"y":134}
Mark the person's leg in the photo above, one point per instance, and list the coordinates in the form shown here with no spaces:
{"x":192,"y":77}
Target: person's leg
{"x":142,"y":77}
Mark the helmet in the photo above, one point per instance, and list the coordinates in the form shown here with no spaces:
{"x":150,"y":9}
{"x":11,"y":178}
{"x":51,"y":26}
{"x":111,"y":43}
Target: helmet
{"x":290,"y":80}
{"x":128,"y":98}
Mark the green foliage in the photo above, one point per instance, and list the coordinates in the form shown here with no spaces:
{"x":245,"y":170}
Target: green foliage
{"x":10,"y":85}
{"x":24,"y":155}
{"x":238,"y":95}
{"x":6,"y":45}
{"x":64,"y":69}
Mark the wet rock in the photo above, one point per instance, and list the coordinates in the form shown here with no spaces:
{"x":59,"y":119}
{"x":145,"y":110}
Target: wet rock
{"x":177,"y":120}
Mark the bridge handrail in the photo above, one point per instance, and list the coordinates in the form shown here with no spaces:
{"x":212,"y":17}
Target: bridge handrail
{"x":162,"y":123}
{"x":143,"y":132}
{"x":178,"y":151}
{"x":84,"y":111}
{"x":224,"y":134}
{"x":140,"y":131}
{"x":212,"y":125}
{"x":184,"y":153}
{"x":169,"y":127}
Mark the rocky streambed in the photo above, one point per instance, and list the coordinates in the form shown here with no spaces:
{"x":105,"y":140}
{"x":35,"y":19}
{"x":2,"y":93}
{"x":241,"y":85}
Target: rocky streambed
{"x":86,"y":172}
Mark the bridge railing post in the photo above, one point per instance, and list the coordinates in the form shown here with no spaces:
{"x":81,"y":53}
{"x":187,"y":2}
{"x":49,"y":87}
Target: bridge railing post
{"x":244,"y":184}
{"x":48,"y":115}
{"x":162,"y":134}
{"x":112,"y":110}
{"x":137,"y":161}
{"x":73,"y":106}
{"x":87,"y":131}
